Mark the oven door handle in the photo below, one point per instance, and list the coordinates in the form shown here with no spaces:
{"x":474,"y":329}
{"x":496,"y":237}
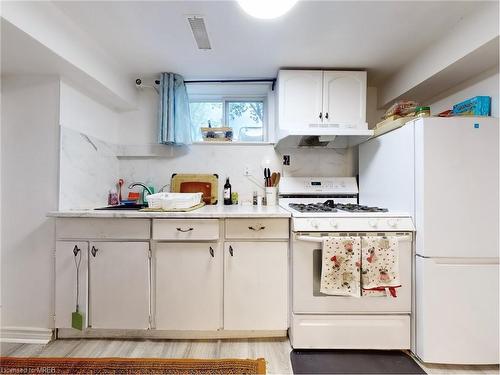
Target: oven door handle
{"x":404,"y":237}
{"x":310,"y":238}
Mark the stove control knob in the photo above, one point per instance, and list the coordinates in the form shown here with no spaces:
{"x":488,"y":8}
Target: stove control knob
{"x":392,"y":223}
{"x":372,"y":223}
{"x":314,"y":223}
{"x":333,"y":224}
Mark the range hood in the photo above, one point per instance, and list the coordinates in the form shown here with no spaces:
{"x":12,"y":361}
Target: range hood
{"x":321,"y":138}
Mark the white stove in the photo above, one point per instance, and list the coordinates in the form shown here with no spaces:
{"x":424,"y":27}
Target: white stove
{"x":328,"y":207}
{"x":330,"y":204}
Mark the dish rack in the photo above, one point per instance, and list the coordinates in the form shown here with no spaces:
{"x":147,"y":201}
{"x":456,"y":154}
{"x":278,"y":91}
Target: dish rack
{"x":169,"y":201}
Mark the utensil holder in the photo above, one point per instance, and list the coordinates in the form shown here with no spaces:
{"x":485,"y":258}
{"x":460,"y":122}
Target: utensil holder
{"x":271,"y":195}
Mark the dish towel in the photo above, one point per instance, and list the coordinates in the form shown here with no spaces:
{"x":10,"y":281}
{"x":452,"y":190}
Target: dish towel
{"x":380,"y":266}
{"x":340,"y":266}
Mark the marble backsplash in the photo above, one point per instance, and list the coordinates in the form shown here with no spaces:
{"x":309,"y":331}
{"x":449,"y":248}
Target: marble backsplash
{"x":231,"y":161}
{"x":88,"y":170}
{"x":90,"y":167}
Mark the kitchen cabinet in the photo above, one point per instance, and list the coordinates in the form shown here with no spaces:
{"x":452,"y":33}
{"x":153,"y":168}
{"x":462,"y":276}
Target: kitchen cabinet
{"x":344,"y":98}
{"x":119,"y":285}
{"x":65,"y":290}
{"x":188,"y":286}
{"x":311,"y":99}
{"x":255,"y":285}
{"x":174,"y":278}
{"x":300,"y":94}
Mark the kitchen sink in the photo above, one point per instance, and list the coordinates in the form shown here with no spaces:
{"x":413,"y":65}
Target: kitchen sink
{"x":123,"y":207}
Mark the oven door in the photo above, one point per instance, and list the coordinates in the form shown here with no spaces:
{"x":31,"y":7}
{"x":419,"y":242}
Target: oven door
{"x":306,"y":276}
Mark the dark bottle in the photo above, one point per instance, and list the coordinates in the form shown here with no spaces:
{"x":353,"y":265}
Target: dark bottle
{"x":227,"y":192}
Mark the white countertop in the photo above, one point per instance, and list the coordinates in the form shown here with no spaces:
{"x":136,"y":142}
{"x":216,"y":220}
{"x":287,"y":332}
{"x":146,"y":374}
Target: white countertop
{"x":216,"y":211}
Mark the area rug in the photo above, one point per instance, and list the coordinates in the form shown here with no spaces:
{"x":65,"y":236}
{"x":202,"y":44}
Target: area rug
{"x":353,"y":362}
{"x":17,"y":365}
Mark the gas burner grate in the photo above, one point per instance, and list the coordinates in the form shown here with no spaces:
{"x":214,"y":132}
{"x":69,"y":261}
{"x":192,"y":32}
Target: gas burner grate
{"x":312,"y":207}
{"x":350,"y":207}
{"x":330,"y":206}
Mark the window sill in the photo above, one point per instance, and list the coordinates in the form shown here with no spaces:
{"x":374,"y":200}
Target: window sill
{"x":233,"y":143}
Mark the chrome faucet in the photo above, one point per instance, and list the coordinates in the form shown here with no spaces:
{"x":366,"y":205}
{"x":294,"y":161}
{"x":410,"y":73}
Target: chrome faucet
{"x":140,"y":184}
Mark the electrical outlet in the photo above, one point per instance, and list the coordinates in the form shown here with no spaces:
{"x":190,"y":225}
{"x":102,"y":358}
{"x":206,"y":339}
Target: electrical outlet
{"x":247,"y":171}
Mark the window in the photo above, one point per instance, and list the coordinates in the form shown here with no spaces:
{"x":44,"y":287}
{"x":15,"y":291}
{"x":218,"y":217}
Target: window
{"x":245,"y":116}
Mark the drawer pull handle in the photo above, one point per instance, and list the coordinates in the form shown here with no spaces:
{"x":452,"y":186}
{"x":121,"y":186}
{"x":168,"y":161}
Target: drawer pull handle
{"x":211,"y":251}
{"x":184,"y":230}
{"x":231,"y":250}
{"x":94,"y":251}
{"x":257,"y":229}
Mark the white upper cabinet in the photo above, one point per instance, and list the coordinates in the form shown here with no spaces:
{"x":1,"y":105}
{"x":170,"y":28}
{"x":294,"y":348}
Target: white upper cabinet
{"x":300,"y":98}
{"x":312,"y":99}
{"x":344,"y":98}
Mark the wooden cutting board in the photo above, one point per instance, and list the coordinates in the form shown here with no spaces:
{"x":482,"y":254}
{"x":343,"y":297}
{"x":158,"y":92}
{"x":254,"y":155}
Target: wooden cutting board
{"x":194,"y":183}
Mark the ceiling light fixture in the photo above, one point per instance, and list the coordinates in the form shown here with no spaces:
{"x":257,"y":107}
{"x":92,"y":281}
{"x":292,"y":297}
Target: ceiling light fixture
{"x":266,"y":9}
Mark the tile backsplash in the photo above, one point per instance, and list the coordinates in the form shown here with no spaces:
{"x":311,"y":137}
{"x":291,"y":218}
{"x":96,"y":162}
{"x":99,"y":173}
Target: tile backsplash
{"x":90,"y":167}
{"x":232,"y":160}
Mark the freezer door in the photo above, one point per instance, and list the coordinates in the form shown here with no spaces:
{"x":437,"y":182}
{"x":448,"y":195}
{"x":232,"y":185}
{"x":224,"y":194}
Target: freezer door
{"x":456,"y":191}
{"x":457,"y":311}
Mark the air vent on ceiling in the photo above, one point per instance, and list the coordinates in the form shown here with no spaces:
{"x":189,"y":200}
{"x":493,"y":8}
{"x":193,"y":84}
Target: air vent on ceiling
{"x":199,"y":32}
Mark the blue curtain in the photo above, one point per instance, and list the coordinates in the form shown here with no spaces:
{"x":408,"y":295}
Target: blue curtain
{"x":174,"y":118}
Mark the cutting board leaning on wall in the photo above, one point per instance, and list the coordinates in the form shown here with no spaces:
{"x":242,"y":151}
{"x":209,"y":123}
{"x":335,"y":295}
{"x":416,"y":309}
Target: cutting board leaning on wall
{"x":196,"y":183}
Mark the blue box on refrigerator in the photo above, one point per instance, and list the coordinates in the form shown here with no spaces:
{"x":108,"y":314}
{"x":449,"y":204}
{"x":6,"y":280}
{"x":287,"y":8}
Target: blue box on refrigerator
{"x":476,"y":106}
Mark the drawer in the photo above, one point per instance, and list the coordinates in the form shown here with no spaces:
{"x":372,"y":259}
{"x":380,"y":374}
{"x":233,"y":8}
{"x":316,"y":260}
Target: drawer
{"x":94,"y":228}
{"x":350,"y":331}
{"x":257,"y":228}
{"x":185,"y":229}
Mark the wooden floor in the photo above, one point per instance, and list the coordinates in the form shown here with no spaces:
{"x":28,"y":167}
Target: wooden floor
{"x":275,"y":351}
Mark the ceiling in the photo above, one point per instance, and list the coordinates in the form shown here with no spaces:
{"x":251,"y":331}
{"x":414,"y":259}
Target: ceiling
{"x":151,"y":37}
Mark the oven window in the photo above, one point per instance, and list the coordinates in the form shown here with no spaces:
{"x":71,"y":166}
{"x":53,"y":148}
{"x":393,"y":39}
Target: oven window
{"x":316,"y":274}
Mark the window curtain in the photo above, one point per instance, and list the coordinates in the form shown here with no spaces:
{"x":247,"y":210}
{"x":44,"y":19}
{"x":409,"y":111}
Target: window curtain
{"x":174,"y":118}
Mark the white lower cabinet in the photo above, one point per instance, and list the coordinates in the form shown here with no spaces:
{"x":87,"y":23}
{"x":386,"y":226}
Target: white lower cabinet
{"x":67,"y":252}
{"x":119,"y":285}
{"x":206,"y":286}
{"x":188,"y":286}
{"x":255,"y":285}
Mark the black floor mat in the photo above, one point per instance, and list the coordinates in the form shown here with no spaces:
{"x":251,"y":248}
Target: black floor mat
{"x":309,"y":361}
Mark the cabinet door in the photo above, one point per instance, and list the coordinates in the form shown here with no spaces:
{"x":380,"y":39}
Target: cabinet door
{"x":344,"y":98}
{"x":188,"y":286}
{"x":119,"y":285}
{"x":300,"y":95}
{"x":65,"y":298}
{"x":255,"y":285}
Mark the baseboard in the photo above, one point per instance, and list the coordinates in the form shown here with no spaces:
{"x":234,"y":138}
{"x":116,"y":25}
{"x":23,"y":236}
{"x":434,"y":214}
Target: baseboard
{"x":25,"y":335}
{"x":68,"y":333}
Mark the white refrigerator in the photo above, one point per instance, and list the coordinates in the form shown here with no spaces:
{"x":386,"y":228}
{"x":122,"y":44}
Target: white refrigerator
{"x":445,"y":173}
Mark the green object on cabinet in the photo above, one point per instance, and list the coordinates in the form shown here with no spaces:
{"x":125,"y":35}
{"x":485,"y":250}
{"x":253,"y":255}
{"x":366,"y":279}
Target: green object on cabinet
{"x":77,"y":320}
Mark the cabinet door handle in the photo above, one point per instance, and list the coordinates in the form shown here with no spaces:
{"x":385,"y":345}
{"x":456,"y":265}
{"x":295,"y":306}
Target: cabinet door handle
{"x":94,"y":251}
{"x":326,"y":115}
{"x":76,"y":250}
{"x":211,"y":251}
{"x":257,"y":229}
{"x":184,"y":230}
{"x":231,"y":250}
{"x":321,"y":115}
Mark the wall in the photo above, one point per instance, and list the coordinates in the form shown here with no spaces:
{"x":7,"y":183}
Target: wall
{"x":138,"y":130}
{"x":486,"y":84}
{"x":69,"y":50}
{"x":88,"y":170}
{"x":30,"y":159}
{"x":81,"y":113}
{"x":89,"y":132}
